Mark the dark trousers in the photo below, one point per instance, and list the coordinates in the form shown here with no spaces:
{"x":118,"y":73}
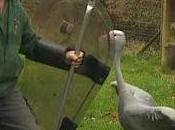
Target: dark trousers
{"x":14,"y":112}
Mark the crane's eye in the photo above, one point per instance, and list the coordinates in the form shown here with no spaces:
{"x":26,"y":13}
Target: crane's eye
{"x":115,"y":35}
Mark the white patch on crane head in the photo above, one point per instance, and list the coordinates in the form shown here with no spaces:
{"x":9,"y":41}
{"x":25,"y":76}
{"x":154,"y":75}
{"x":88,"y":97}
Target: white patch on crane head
{"x":118,"y":32}
{"x":118,"y":40}
{"x":117,"y":35}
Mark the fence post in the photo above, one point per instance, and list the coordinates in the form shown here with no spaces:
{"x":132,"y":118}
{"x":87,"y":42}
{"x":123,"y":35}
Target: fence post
{"x":168,"y":34}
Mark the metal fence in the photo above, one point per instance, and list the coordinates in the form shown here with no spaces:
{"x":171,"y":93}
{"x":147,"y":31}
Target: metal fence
{"x":140,"y":19}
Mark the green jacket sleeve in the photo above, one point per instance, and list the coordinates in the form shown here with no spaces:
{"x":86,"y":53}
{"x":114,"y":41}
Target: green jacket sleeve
{"x":54,"y":55}
{"x":39,"y":50}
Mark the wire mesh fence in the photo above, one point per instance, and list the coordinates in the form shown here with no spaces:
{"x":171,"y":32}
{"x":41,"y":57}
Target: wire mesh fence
{"x":140,"y":19}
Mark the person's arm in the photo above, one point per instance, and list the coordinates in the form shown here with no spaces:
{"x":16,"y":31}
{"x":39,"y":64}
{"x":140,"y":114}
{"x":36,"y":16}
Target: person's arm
{"x":41,"y":51}
{"x":55,"y":55}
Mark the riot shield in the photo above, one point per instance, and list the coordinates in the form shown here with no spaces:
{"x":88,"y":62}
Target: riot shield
{"x":61,"y":21}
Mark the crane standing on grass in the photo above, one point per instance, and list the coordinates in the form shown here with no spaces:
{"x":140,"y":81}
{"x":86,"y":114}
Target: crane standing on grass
{"x":136,"y":114}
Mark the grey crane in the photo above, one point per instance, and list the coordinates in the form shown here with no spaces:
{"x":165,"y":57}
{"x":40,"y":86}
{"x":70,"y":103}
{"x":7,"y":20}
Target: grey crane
{"x":134,"y":114}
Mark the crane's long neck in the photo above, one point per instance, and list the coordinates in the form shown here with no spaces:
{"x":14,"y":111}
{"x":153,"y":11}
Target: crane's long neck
{"x":119,"y":77}
{"x":125,"y":96}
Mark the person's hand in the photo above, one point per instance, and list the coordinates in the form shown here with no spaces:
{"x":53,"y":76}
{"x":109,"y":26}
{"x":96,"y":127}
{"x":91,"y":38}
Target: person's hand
{"x":73,"y":58}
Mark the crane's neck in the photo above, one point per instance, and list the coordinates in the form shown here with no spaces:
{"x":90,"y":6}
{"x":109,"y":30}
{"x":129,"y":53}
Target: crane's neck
{"x":125,"y":96}
{"x":119,"y":76}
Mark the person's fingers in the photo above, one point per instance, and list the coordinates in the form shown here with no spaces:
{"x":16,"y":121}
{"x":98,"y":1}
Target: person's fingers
{"x":79,"y":59}
{"x":76,"y":64}
{"x":77,"y":56}
{"x":71,"y":55}
{"x":74,"y":59}
{"x":81,"y":55}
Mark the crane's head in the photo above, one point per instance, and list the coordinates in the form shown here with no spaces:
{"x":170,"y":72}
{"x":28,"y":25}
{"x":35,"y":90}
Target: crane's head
{"x":117,"y":38}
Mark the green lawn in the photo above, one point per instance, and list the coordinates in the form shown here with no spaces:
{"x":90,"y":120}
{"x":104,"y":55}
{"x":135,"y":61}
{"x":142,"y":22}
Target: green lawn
{"x":143,"y":71}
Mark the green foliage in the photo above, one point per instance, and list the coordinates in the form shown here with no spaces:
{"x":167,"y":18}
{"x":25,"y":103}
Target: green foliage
{"x":143,"y":71}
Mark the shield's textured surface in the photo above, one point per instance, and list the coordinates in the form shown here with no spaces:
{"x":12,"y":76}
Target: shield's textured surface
{"x":60,"y":21}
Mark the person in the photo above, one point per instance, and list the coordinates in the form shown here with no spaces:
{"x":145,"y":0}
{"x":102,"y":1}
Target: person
{"x":18,"y":37}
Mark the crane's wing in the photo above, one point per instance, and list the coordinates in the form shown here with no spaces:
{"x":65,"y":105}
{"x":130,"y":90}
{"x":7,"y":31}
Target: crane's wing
{"x":141,"y":95}
{"x":152,"y":117}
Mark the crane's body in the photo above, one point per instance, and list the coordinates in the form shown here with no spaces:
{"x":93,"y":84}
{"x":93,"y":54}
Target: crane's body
{"x":137,"y":110}
{"x":139,"y":94}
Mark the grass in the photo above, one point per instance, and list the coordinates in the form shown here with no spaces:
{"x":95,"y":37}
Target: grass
{"x":143,"y":71}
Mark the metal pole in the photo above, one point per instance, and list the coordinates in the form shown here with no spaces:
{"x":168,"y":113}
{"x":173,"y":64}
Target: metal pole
{"x":69,"y":79}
